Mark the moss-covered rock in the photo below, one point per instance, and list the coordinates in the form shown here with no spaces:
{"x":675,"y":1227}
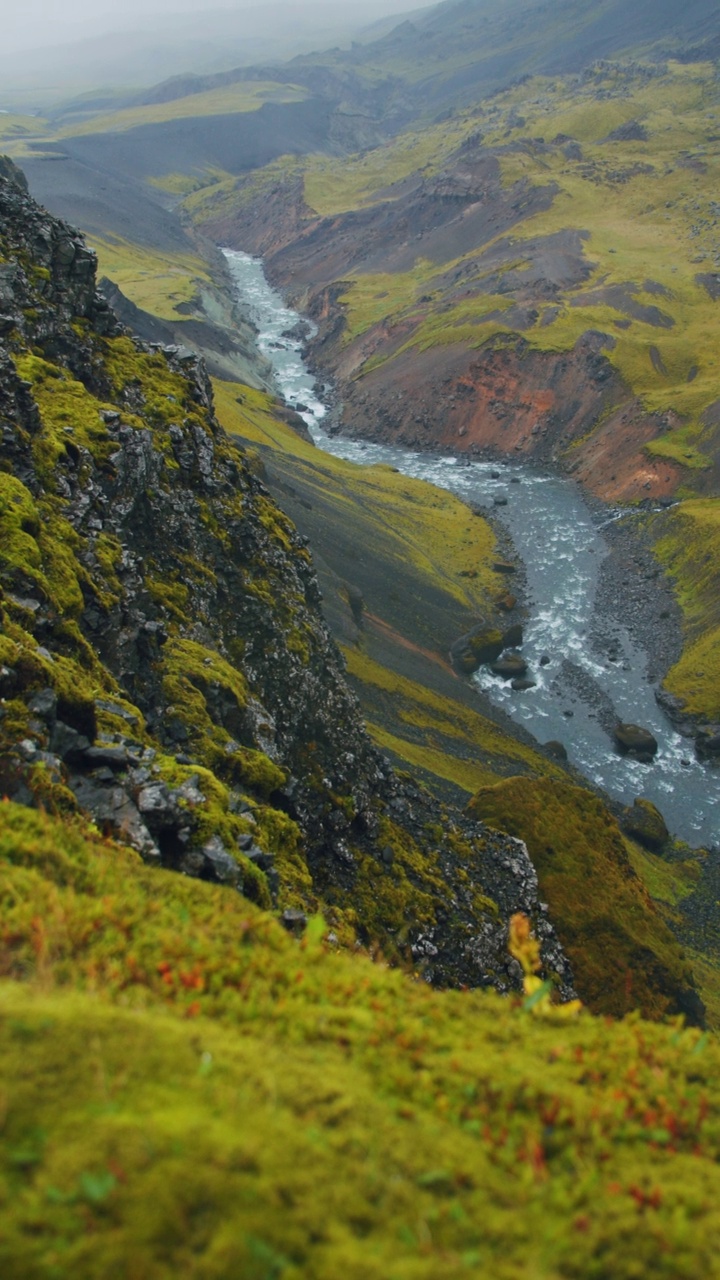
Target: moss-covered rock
{"x":644,"y":822}
{"x":483,"y":644}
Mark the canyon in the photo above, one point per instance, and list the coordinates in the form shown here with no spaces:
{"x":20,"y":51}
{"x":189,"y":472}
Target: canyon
{"x":359,"y":625}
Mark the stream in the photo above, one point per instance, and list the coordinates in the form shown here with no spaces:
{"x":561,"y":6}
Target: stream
{"x":581,"y":690}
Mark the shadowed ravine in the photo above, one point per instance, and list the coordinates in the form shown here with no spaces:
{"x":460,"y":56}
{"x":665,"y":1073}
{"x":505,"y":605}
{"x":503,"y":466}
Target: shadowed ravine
{"x":588,"y":683}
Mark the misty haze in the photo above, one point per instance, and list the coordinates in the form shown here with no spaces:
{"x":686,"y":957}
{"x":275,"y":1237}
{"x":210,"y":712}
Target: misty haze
{"x":50,"y":52}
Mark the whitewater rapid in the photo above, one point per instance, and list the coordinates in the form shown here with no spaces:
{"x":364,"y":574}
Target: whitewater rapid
{"x":561,"y":544}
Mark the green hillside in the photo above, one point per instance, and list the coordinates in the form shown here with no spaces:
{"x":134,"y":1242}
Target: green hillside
{"x":190,"y":1090}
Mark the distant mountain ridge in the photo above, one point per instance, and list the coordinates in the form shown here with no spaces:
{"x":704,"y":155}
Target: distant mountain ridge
{"x":475,"y":47}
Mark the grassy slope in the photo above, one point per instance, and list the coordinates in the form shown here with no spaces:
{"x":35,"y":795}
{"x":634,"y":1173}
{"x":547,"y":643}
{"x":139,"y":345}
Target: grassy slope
{"x":425,"y":567}
{"x":156,"y":282}
{"x":574,"y":842}
{"x":689,"y":546}
{"x":191,"y":1091}
{"x":250,"y":95}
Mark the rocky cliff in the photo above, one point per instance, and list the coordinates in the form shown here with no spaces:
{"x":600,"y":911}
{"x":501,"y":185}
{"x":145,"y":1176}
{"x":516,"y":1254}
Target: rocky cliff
{"x":165,"y":668}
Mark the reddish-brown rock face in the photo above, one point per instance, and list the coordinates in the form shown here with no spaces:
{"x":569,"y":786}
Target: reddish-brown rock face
{"x":571,"y":409}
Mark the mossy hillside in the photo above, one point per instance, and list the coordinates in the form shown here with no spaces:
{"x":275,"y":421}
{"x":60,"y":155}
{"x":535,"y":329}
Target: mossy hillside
{"x":183,"y":184}
{"x":621,"y":946}
{"x":191,"y":1089}
{"x":89,"y":696}
{"x":70,"y":416}
{"x":658,"y":225}
{"x":48,"y":557}
{"x":412,"y":532}
{"x":248,"y":95}
{"x":165,"y":284}
{"x":668,"y":879}
{"x":20,"y":135}
{"x":231,"y":196}
{"x":435,"y":733}
{"x":16,"y":125}
{"x":371,"y":176}
{"x":688,"y":546}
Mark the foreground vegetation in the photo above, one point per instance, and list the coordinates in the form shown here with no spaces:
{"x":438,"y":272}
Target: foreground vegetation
{"x":188,"y":1089}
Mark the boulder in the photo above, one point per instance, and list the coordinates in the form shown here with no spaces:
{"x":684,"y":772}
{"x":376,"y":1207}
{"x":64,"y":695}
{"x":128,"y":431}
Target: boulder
{"x":556,"y":750}
{"x":513,"y":637}
{"x":645,"y":823}
{"x":632,"y":739}
{"x":219,"y":865}
{"x":707,"y":742}
{"x":483,"y":644}
{"x":510,"y":666}
{"x":522,"y":684}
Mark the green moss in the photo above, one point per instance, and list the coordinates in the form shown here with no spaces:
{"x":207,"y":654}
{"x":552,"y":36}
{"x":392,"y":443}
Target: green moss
{"x":256,"y":770}
{"x":166,"y":397}
{"x":622,"y":951}
{"x":187,"y":1086}
{"x":188,"y":660}
{"x":169,"y":595}
{"x":69,"y":413}
{"x":278,"y":834}
{"x":688,"y":546}
{"x":667,"y":881}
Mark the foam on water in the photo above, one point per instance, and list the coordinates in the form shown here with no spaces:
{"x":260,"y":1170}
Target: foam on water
{"x":562,"y":547}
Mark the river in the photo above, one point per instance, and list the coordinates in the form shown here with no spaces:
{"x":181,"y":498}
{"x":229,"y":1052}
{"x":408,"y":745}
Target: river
{"x":560,"y":541}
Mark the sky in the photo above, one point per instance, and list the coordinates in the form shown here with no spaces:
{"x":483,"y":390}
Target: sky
{"x":32,"y":24}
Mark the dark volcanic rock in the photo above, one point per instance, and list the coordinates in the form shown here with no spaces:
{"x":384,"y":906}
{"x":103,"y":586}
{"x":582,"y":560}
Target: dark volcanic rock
{"x":632,"y":739}
{"x":513,"y":637}
{"x":509,"y":666}
{"x":707,"y":741}
{"x":483,"y":644}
